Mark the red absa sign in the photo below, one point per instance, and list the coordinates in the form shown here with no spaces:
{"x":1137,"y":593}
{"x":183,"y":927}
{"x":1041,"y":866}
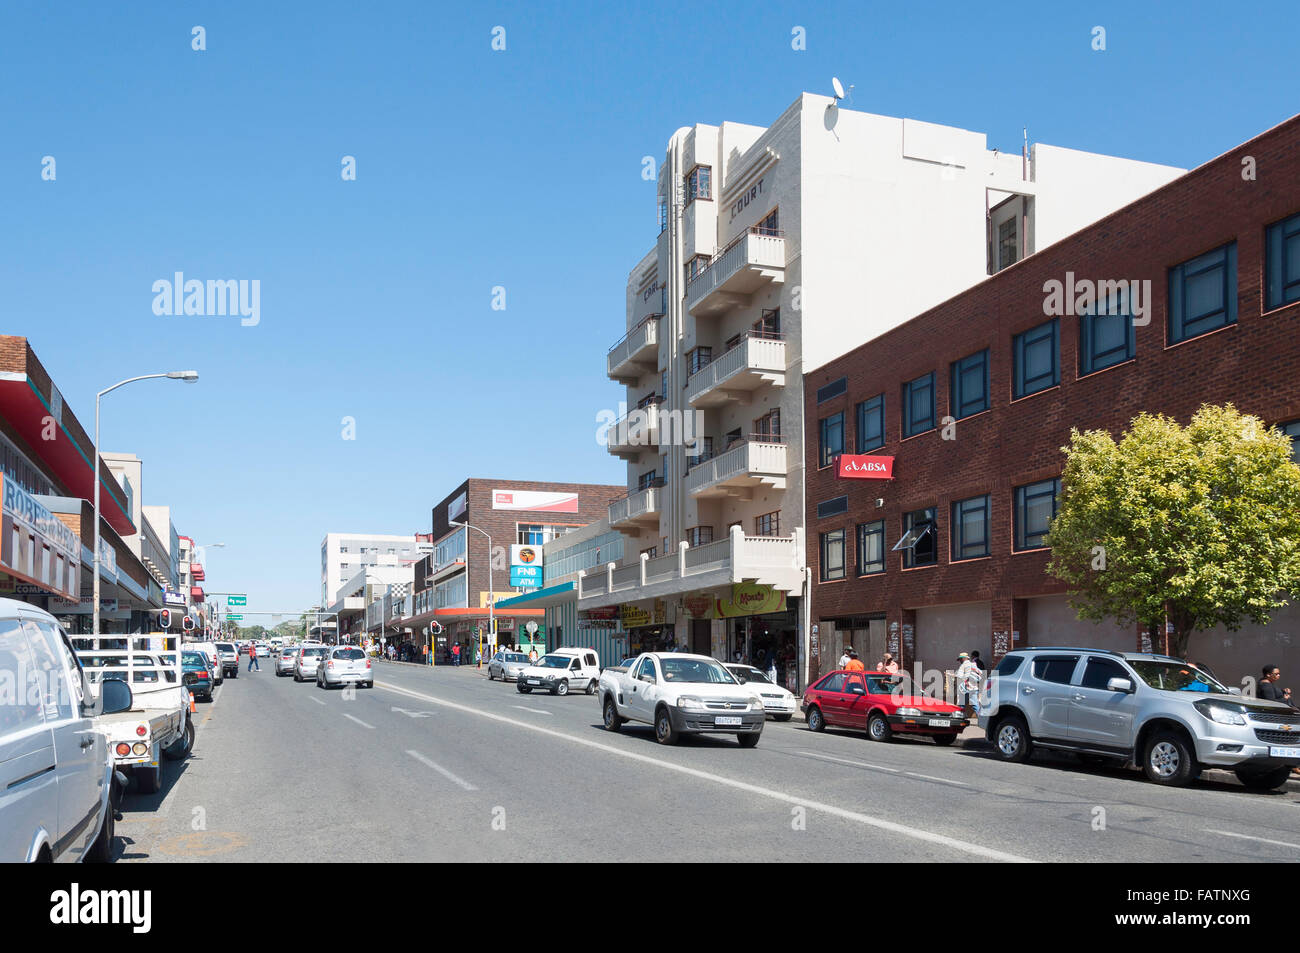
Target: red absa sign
{"x":861,"y":466}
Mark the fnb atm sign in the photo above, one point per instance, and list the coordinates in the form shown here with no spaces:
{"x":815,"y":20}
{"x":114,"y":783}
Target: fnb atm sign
{"x":860,"y":466}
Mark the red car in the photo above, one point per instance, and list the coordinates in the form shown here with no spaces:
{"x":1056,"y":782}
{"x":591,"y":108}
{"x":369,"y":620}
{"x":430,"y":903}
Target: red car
{"x":882,"y":704}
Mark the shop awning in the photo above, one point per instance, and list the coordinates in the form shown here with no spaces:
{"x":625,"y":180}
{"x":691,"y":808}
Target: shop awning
{"x":556,"y":595}
{"x":458,"y":614}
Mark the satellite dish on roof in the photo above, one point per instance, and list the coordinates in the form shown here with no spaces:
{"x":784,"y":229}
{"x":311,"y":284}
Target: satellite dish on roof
{"x":838,"y":89}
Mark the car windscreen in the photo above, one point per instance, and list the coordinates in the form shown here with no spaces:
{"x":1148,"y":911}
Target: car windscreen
{"x":312,"y":650}
{"x":350,"y":654}
{"x":753,"y":674}
{"x":514,"y":657}
{"x":225,"y":646}
{"x":694,"y":670}
{"x":1175,"y":676}
{"x":195,"y":658}
{"x":553,"y":661}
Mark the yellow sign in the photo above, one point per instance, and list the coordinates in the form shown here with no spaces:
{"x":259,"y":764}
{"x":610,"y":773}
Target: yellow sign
{"x":749,"y":598}
{"x":633,"y":616}
{"x":485,"y":597}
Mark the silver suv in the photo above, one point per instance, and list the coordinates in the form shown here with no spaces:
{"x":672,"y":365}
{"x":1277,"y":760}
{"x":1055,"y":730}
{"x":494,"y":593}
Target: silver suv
{"x":1166,"y":715}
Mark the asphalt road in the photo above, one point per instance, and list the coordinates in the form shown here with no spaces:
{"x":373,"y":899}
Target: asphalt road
{"x":443,"y":765}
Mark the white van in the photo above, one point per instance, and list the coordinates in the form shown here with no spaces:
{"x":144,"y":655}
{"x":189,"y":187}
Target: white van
{"x":562,"y":671}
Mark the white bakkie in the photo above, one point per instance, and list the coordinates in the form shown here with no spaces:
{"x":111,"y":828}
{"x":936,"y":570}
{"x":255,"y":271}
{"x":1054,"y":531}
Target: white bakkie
{"x":561,"y":672}
{"x":679,"y":693}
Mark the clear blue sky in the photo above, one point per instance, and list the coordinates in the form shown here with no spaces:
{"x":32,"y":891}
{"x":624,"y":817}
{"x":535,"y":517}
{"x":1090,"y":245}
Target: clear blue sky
{"x":474,"y":169}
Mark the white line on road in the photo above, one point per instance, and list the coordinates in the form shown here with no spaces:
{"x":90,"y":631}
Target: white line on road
{"x":441,"y":770}
{"x":315,"y":699}
{"x":359,"y":721}
{"x":856,"y":764}
{"x":905,"y":830}
{"x":539,"y":711}
{"x":1262,"y":840}
{"x":913,"y":774}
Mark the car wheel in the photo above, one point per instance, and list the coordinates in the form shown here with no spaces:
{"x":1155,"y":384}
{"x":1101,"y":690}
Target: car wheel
{"x":591,"y":687}
{"x":815,"y":720}
{"x":148,"y":779}
{"x":878,"y":727}
{"x":785,"y":717}
{"x":179,"y":748}
{"x":750,"y":740}
{"x":1168,"y":759}
{"x":665,"y":733}
{"x":1012,"y":739}
{"x":561,"y":687}
{"x":491,"y":677}
{"x":234,"y":675}
{"x":944,"y":741}
{"x":1263,"y":780}
{"x":525,"y":690}
{"x":297,"y":677}
{"x":612,"y":720}
{"x":101,"y":851}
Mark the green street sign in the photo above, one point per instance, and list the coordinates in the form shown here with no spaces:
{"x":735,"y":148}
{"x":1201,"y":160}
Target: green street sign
{"x":236,"y":600}
{"x":234,"y":617}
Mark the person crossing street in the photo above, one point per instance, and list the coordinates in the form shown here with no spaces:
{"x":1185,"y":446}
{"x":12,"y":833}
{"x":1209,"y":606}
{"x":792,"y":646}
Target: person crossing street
{"x":252,"y":658}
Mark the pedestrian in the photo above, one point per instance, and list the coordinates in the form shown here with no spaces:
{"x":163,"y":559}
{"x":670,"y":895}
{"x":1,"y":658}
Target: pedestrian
{"x":455,"y":654}
{"x":532,"y":654}
{"x":854,"y":663}
{"x":968,"y":683}
{"x":845,"y":656}
{"x":252,"y":657}
{"x":424,"y":653}
{"x":1271,"y":690}
{"x":978,"y":662}
{"x":771,"y":668}
{"x":887,"y":664}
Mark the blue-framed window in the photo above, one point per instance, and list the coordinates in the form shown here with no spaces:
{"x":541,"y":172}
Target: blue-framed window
{"x":970,"y":528}
{"x":1282,"y":262}
{"x":1292,"y":430}
{"x":1035,"y":510}
{"x":871,"y":548}
{"x":833,"y":389}
{"x":834,"y":507}
{"x":1037,"y":356}
{"x":918,"y":405}
{"x":1106,"y":336}
{"x":871,"y":424}
{"x":920,"y":541}
{"x":831,"y":440}
{"x":970,"y":385}
{"x":699,"y":183}
{"x":1203,"y":294}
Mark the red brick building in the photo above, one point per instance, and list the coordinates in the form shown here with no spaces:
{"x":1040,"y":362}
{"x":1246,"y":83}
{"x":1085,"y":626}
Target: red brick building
{"x":975,"y":398}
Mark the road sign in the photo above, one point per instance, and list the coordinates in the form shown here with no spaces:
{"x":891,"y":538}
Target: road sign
{"x":237,"y":600}
{"x":234,"y":617}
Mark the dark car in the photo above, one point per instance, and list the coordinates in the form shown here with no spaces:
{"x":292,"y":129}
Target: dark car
{"x":196,"y":675}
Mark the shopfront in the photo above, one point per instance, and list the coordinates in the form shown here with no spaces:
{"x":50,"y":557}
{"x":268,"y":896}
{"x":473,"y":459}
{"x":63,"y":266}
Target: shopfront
{"x":761,"y":627}
{"x":646,"y":628}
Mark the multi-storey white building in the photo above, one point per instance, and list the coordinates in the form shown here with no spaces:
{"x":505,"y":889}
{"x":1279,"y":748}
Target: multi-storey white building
{"x":780,"y":249}
{"x":343,"y":555}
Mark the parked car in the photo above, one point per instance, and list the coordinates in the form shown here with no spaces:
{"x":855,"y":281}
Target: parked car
{"x":778,"y":703}
{"x":229,"y":658}
{"x":1164,"y":714}
{"x":214,"y":656}
{"x":196,"y":674}
{"x":507,"y":665}
{"x":307,"y":661}
{"x":679,"y":694}
{"x":60,"y":789}
{"x":347,"y":663}
{"x":882,"y":705}
{"x":284,"y":661}
{"x":561,"y":671}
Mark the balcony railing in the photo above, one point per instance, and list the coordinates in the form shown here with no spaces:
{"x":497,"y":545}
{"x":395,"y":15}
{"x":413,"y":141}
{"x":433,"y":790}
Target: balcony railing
{"x":635,"y":431}
{"x":761,"y":460}
{"x":752,"y":259}
{"x":759,"y":358}
{"x":635,"y":352}
{"x":639,"y":506}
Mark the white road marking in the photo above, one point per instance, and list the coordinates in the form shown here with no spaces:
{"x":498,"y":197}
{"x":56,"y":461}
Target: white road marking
{"x":315,"y":699}
{"x":441,"y":770}
{"x":1262,"y":840}
{"x":904,"y":830}
{"x":929,"y":777}
{"x":856,"y":764}
{"x":412,"y":714}
{"x":359,"y":721}
{"x":539,"y":711}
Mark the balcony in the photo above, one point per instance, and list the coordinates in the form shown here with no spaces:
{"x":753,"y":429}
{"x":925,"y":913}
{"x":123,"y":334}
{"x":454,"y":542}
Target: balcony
{"x":759,"y":461}
{"x":635,"y":431}
{"x":639,"y":508}
{"x":776,"y":561}
{"x":636,"y":352}
{"x":757,"y":360}
{"x":736,"y":272}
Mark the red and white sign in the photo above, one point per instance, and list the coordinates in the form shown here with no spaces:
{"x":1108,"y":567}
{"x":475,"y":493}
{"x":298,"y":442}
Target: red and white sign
{"x":861,"y":466}
{"x":535,"y":501}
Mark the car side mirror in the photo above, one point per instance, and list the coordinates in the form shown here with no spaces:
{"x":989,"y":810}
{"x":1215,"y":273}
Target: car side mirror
{"x":114,"y":696}
{"x":1120,"y":685}
{"x":1234,"y":691}
{"x":646,"y":678}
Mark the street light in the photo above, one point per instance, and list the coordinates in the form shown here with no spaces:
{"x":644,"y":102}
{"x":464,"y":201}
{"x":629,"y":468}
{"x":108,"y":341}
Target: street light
{"x":189,"y":377}
{"x":492,"y":599}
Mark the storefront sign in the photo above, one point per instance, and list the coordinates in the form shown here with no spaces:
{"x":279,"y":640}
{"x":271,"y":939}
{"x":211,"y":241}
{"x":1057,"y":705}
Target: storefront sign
{"x":634,"y":616}
{"x":35,"y":545}
{"x":528,"y":577}
{"x":699,"y":607}
{"x":861,"y":466}
{"x":748,"y":196}
{"x":607,"y":612}
{"x":750,"y":598}
{"x":173,"y":598}
{"x":525,"y":555}
{"x":535,"y":501}
{"x":85,"y":606}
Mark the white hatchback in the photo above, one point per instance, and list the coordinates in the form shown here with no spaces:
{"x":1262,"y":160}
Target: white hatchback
{"x":778,"y":703}
{"x":308,"y":661}
{"x":347,"y":663}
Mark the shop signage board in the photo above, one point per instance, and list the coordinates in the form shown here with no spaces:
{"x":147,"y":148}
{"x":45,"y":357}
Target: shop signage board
{"x":173,"y":598}
{"x":526,"y":576}
{"x":523,"y":554}
{"x":862,"y":466}
{"x":633,"y":616}
{"x":749,"y":598}
{"x":35,"y":546}
{"x":237,"y":600}
{"x":535,"y":501}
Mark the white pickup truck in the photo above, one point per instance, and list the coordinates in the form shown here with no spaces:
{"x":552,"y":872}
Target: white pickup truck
{"x":681,"y":694}
{"x":158,"y":721}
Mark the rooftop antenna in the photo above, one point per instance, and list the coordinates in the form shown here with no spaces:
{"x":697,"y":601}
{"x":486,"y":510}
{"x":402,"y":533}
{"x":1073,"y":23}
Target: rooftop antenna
{"x":838,"y":88}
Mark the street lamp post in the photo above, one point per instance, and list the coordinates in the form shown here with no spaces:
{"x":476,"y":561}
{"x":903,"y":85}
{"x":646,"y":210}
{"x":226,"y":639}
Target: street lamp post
{"x":492,"y":599}
{"x":191,"y":377}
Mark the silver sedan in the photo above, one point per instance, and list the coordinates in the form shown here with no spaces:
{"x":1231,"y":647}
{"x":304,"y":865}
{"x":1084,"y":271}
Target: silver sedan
{"x":284,"y":661}
{"x":507,"y":665}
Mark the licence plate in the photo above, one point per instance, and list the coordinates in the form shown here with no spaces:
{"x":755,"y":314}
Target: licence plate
{"x":940,"y":723}
{"x":727,"y":720}
{"x":1284,"y":752}
{"x":533,"y":681}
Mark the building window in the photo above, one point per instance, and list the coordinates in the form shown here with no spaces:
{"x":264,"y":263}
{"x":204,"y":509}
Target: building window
{"x":769,"y":324}
{"x":970,"y":385}
{"x":647,"y":480}
{"x":696,"y":265}
{"x":699,"y":183}
{"x":833,"y":507}
{"x":832,"y":555}
{"x":664,"y":540}
{"x":663,"y":383}
{"x":1203,"y":294}
{"x":769,"y":425}
{"x":1106,"y":335}
{"x":343,"y":549}
{"x":1282,"y":262}
{"x":871,"y":424}
{"x":1036,"y":353}
{"x":1008,"y":246}
{"x":769,"y":225}
{"x":919,"y":541}
{"x":1035,"y":510}
{"x":871,"y":548}
{"x":663,"y":215}
{"x":703,"y":451}
{"x":699,"y":535}
{"x":699,"y":358}
{"x":650,"y":553}
{"x":970,"y":528}
{"x":1292,"y":430}
{"x":769,"y":524}
{"x":833,"y":389}
{"x":831,"y":440}
{"x":918,"y":405}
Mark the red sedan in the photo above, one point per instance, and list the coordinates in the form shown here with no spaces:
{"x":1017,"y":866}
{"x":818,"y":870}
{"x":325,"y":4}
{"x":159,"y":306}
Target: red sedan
{"x":882,"y":704}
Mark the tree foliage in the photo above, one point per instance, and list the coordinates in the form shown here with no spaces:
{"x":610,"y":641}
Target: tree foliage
{"x":1199,"y":525}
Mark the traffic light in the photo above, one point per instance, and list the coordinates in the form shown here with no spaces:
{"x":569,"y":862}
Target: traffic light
{"x":187,"y":623}
{"x":165,"y":618}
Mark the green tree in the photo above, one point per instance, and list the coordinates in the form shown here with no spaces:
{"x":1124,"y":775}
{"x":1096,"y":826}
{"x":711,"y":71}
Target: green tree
{"x":1198,"y":526}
